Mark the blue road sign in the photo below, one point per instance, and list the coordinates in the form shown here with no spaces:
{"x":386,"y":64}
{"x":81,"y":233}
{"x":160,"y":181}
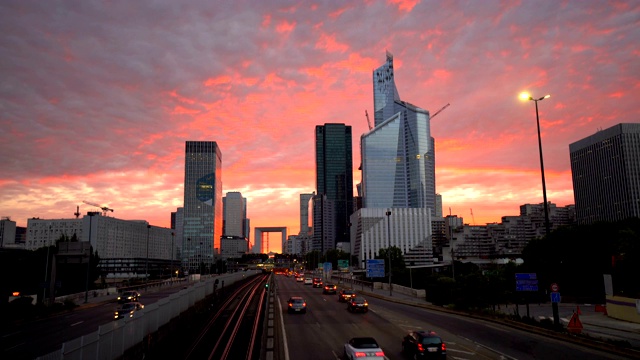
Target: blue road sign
{"x":375,"y":268}
{"x":526,"y":287}
{"x":526,"y":276}
{"x":555,"y":297}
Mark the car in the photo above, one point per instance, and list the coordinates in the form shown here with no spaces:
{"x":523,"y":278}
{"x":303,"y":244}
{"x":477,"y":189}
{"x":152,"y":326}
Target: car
{"x":128,"y":296}
{"x":424,"y":345}
{"x":362,"y":348}
{"x":358,"y":304}
{"x":299,"y":278}
{"x":296,"y":304}
{"x":127,"y":310}
{"x":346,"y":295}
{"x":329,"y":289}
{"x":317,"y":282}
{"x":308,"y":281}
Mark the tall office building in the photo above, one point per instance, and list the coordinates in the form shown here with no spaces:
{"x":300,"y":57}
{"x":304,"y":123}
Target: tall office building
{"x":304,"y":213}
{"x":398,"y":155}
{"x":202,"y":205}
{"x":334,"y":180}
{"x":235,"y":215}
{"x":606,"y":174}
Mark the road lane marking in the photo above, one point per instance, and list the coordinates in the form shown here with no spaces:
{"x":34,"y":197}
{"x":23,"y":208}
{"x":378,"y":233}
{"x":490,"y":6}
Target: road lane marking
{"x":78,"y":323}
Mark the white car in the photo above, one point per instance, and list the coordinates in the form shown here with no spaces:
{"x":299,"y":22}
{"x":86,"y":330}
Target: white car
{"x":308,"y":281}
{"x":362,"y":348}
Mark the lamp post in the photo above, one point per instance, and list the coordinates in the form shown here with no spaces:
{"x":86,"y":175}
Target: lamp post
{"x":86,"y":289}
{"x":388,"y":213}
{"x":171,"y":265}
{"x":146,"y":266}
{"x":526,"y":96}
{"x":46,"y":268}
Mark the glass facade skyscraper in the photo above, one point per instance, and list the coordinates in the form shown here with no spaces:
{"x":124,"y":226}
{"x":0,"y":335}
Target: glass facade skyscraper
{"x":398,"y":156}
{"x":334,"y":181}
{"x":605,"y":168}
{"x":202,"y":226}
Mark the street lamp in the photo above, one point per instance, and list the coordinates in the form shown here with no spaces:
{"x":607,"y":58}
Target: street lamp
{"x":171,"y":266}
{"x":146,"y":267}
{"x":526,"y":96}
{"x":388,"y":213}
{"x":86,"y":289}
{"x":46,"y":268}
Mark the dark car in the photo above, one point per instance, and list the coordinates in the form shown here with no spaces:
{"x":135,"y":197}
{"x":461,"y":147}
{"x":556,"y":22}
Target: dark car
{"x":317,"y":282}
{"x":346,"y":295}
{"x":424,"y":345}
{"x":329,"y":289}
{"x":128,"y":296}
{"x":127,"y":310}
{"x":358,"y":304}
{"x":296,"y":304}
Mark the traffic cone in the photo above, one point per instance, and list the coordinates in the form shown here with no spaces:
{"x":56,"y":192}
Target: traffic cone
{"x":579,"y":312}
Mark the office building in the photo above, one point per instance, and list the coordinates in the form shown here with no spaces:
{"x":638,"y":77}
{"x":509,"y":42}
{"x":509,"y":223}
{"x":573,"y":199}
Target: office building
{"x":7,"y":232}
{"x":605,"y":168}
{"x":408,"y":229}
{"x":235,"y":222}
{"x":305,"y":211}
{"x":398,"y":156}
{"x":202,"y":227}
{"x":334,"y":182}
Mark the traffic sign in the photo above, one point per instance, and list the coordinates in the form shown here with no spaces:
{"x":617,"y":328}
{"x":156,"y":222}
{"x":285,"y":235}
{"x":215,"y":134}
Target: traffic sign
{"x":375,"y":268}
{"x":555,"y":287}
{"x":526,"y":282}
{"x":526,"y":276}
{"x":555,"y":297}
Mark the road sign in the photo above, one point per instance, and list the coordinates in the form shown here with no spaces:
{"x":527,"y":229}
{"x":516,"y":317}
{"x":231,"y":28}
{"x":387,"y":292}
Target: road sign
{"x":375,"y":268}
{"x":343,"y":264}
{"x":555,"y":297}
{"x":555,"y":287}
{"x":526,"y":276}
{"x":526,"y":282}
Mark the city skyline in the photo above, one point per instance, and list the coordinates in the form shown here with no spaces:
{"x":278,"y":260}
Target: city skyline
{"x":98,"y":101}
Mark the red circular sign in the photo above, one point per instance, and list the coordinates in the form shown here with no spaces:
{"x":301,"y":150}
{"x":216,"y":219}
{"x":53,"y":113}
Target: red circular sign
{"x":555,"y":287}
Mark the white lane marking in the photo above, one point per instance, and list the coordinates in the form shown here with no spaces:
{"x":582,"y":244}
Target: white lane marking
{"x":78,"y":323}
{"x":460,"y":351}
{"x":502,"y":356}
{"x":284,"y":334}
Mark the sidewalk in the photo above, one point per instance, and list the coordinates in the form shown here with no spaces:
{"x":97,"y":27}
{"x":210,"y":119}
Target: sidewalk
{"x":596,"y":324}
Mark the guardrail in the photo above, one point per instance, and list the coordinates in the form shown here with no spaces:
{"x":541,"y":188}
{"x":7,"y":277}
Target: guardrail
{"x":111,"y":340}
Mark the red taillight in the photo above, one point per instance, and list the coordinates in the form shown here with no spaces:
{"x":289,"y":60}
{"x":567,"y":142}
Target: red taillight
{"x":290,"y":304}
{"x":361,"y":354}
{"x":379,"y":353}
{"x":420,"y":347}
{"x":304,"y":304}
{"x":444,"y":347}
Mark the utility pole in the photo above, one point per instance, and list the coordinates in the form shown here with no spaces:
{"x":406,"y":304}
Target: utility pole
{"x":388,"y":213}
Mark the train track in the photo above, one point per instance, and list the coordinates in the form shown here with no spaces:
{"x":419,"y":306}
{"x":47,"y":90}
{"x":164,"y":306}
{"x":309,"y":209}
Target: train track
{"x":234,"y":329}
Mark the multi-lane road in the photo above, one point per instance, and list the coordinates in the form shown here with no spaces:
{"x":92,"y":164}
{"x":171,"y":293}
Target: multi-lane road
{"x":327,"y":325}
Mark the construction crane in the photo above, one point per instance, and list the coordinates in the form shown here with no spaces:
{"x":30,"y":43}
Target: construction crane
{"x":368,"y":121}
{"x":104,"y":208}
{"x":473,"y":218}
{"x":438,"y":112}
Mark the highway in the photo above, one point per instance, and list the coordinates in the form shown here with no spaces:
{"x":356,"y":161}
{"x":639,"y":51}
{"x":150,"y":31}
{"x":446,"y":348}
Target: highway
{"x":327,"y":325}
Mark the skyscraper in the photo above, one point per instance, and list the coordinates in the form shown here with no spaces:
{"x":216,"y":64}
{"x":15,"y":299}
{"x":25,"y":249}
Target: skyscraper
{"x":235,"y":215}
{"x":334,"y":180}
{"x":606,"y":174}
{"x":202,"y":205}
{"x":398,"y":155}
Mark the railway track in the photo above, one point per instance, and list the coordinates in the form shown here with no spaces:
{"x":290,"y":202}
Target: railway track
{"x":234,"y":329}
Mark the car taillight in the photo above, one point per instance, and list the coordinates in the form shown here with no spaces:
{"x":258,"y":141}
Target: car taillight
{"x":420,"y":347}
{"x":290,"y":304}
{"x":360,"y":354}
{"x":379,"y":353}
{"x":304,"y":304}
{"x":444,"y":347}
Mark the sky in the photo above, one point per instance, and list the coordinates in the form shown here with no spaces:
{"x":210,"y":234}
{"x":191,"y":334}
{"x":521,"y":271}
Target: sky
{"x":97,"y":98}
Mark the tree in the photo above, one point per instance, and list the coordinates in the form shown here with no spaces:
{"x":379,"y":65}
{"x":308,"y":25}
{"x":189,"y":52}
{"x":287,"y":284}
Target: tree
{"x":397,"y":260}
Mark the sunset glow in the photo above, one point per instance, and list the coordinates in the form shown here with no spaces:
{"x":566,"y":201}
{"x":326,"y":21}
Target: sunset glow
{"x":97,"y":101}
